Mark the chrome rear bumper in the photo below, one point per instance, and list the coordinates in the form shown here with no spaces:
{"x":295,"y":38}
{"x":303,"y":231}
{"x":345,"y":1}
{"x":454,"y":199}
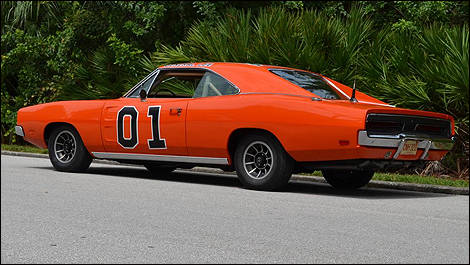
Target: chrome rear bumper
{"x":398,"y":141}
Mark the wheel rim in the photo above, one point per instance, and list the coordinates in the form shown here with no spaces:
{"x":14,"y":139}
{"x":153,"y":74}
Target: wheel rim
{"x":258,"y":160}
{"x":65,"y":146}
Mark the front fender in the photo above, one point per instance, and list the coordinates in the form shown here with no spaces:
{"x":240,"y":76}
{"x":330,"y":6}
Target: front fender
{"x":84,"y":115}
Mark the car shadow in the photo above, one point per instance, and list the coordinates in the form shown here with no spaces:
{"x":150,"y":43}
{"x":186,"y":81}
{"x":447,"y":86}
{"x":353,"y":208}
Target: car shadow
{"x":230,"y":180}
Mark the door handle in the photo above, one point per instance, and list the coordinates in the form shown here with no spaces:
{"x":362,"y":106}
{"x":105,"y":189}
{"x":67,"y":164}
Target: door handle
{"x":176,"y":111}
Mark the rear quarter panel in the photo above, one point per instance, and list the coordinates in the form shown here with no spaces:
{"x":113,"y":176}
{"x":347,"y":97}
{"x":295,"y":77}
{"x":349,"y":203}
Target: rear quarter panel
{"x":308,"y":130}
{"x":84,"y":115}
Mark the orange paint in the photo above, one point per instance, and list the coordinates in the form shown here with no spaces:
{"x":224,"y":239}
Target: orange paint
{"x":308,"y":130}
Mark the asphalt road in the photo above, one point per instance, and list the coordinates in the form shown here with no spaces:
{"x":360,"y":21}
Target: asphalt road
{"x":119,"y":214}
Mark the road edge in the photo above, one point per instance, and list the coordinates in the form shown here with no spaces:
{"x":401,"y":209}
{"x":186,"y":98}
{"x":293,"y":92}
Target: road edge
{"x":372,"y":184}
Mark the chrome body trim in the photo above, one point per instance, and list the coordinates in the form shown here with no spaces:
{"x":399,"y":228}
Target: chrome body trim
{"x":162,"y":158}
{"x":399,"y":149}
{"x":397,"y":141}
{"x":378,"y":104}
{"x":426,"y":150}
{"x":281,"y":94}
{"x":359,"y":101}
{"x":19,"y":130}
{"x":337,"y":88}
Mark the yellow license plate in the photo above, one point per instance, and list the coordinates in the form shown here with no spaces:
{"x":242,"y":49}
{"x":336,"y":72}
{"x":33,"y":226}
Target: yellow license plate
{"x":409,"y":148}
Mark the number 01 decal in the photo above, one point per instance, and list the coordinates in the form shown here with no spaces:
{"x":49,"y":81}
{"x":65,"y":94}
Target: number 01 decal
{"x":155,"y":142}
{"x":132,"y":141}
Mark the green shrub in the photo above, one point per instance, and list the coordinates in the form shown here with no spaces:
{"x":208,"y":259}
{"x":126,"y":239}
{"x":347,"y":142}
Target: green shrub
{"x":425,"y":68}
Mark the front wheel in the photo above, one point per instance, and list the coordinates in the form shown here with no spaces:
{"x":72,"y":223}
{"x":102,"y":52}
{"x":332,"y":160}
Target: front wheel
{"x":262,"y":163}
{"x":347,"y":179}
{"x":67,"y":151}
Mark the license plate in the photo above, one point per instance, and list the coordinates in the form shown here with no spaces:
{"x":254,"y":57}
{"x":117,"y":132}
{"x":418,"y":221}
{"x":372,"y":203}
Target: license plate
{"x":409,"y":148}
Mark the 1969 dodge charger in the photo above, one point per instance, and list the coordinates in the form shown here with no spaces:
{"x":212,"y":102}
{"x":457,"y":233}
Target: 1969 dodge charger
{"x":265,"y":122}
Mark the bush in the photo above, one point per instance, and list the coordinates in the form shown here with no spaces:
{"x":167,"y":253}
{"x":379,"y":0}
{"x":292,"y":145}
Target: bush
{"x":412,"y":54}
{"x":424,"y":68}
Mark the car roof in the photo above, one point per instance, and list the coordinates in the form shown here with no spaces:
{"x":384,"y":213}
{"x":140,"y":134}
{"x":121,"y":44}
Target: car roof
{"x":256,"y":78}
{"x":219,"y":65}
{"x":249,"y":78}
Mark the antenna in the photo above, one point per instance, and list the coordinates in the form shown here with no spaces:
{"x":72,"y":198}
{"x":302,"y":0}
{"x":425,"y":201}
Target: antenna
{"x":353,"y":96}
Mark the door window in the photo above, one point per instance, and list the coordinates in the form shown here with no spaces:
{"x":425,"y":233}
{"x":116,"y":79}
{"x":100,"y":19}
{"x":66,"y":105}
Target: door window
{"x":175,"y":84}
{"x":190,"y":84}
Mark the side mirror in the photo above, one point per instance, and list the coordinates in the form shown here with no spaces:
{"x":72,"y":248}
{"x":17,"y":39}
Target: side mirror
{"x":143,"y":95}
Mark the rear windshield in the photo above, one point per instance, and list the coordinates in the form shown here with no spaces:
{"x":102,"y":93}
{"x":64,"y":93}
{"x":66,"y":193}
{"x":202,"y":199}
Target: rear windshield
{"x":308,"y":81}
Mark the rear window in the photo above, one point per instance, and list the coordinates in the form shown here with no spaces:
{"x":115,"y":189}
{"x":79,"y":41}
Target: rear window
{"x":308,"y":81}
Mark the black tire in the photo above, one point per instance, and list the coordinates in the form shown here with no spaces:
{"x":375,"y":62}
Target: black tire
{"x":347,"y":179}
{"x":281,"y":166}
{"x":158,"y":170}
{"x":81,"y":158}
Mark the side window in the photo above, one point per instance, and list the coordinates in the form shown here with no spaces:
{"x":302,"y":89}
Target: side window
{"x":175,"y":84}
{"x":214,"y":85}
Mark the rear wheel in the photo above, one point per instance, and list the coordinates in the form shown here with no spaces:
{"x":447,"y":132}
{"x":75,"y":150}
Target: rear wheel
{"x":158,"y":170}
{"x":347,"y":179}
{"x":67,"y":151}
{"x":262,"y":163}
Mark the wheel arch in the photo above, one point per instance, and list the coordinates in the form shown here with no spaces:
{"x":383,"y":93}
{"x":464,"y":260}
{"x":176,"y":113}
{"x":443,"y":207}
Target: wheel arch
{"x":239,"y":133}
{"x":51,"y":126}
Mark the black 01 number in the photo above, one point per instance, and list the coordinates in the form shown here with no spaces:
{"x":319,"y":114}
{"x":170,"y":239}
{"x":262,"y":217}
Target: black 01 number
{"x":132,"y":141}
{"x":155,"y":142}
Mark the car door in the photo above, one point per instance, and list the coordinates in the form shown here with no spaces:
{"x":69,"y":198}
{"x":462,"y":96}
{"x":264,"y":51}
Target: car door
{"x":150,"y":126}
{"x":155,"y":126}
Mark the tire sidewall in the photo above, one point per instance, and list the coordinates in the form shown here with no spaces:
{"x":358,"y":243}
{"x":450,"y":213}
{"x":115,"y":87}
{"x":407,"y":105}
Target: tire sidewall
{"x":281,"y":168}
{"x":81,"y":159}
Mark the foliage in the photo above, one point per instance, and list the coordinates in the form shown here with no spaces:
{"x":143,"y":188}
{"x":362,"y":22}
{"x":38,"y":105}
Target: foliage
{"x":25,"y":61}
{"x":207,"y":9}
{"x":432,"y":180}
{"x":293,"y":5}
{"x":412,"y":54}
{"x":425,"y":68}
{"x":147,"y":16}
{"x":23,"y":148}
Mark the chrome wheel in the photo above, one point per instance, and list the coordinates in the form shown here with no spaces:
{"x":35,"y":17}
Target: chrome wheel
{"x":258,"y":160}
{"x":65,"y":146}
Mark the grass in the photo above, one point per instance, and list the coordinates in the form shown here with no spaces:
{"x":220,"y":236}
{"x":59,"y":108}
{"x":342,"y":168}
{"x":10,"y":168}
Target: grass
{"x":445,"y":181}
{"x":378,"y":176}
{"x":23,"y":148}
{"x":433,"y":180}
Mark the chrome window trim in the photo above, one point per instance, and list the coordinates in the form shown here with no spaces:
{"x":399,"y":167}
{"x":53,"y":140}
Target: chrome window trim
{"x":182,"y":69}
{"x":141,"y":82}
{"x":283,"y":94}
{"x":162,"y":158}
{"x":393,"y":141}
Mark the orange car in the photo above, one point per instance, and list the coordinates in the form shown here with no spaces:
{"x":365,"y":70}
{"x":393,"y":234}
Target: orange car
{"x":265,"y":122}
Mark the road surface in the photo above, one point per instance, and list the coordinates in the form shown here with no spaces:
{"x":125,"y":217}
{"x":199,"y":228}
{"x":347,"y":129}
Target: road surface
{"x":119,"y":214}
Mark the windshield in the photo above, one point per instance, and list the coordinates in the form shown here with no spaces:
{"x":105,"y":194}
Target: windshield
{"x":308,"y":81}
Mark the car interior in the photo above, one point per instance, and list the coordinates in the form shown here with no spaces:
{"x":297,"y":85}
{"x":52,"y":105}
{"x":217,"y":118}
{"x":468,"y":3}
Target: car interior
{"x":192,"y":84}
